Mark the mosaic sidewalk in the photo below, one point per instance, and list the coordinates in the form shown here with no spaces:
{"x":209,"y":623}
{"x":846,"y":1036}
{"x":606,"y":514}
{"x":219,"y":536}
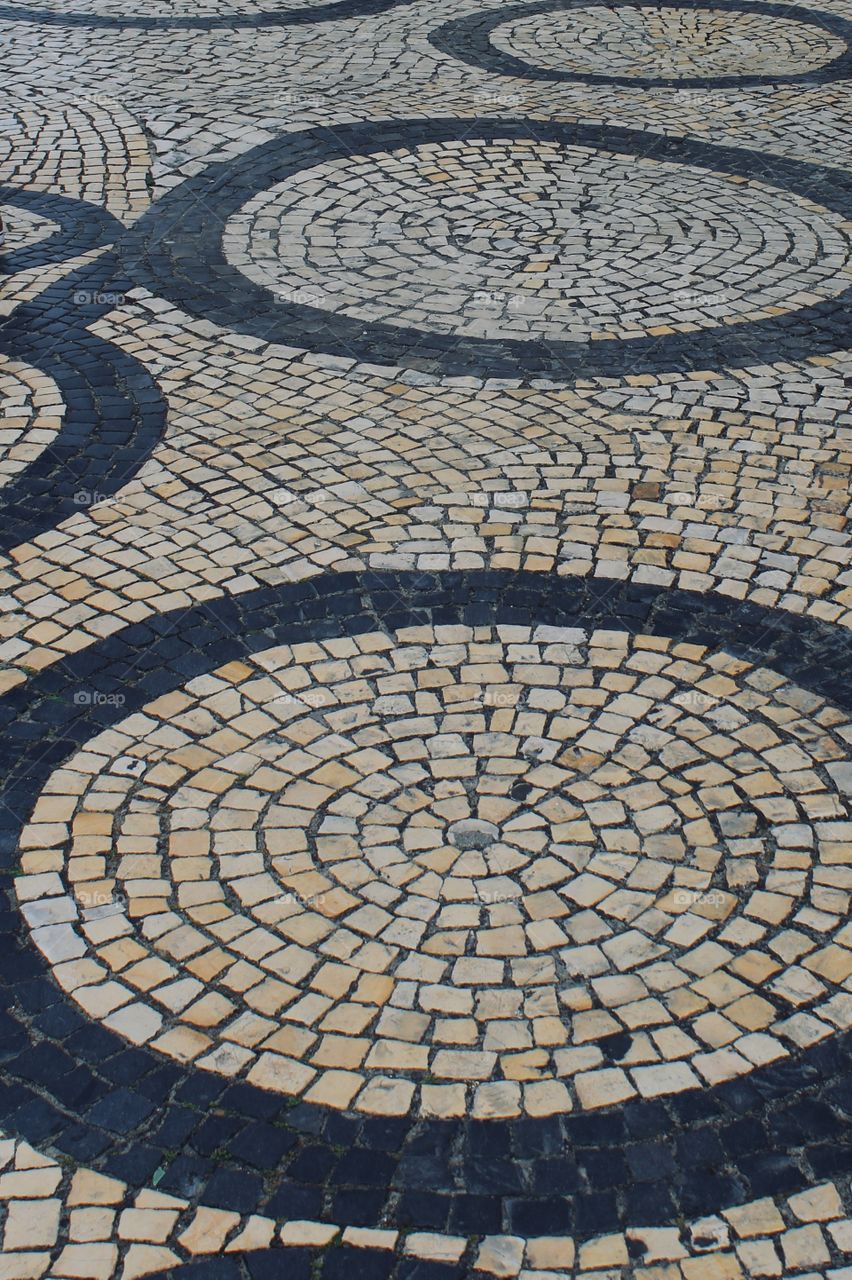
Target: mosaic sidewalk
{"x":425,"y":654}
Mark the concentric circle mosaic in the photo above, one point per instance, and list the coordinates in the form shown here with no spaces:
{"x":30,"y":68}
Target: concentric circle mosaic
{"x":537,"y":240}
{"x":673,"y":44}
{"x":687,"y":43}
{"x":178,"y":736}
{"x":482,"y":858}
{"x":517,"y":249}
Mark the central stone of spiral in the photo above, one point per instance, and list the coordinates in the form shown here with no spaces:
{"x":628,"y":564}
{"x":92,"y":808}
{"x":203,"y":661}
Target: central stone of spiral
{"x":473,"y":833}
{"x":484,"y":852}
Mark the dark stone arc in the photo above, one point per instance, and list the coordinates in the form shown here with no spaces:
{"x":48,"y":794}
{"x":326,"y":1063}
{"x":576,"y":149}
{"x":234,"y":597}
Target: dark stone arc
{"x":114,"y":414}
{"x":341,"y":1262}
{"x":335,"y":10}
{"x":469,"y":40}
{"x":126,"y":1111}
{"x":82,"y":226}
{"x":188,"y":266}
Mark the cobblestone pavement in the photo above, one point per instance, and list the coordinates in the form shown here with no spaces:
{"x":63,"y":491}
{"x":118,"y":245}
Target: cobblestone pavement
{"x":425,"y":609}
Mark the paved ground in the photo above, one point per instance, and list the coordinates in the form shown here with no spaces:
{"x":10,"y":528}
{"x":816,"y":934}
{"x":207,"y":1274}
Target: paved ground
{"x":426,"y":707}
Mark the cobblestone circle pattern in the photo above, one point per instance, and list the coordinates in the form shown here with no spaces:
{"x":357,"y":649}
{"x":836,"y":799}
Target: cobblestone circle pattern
{"x":425,"y":608}
{"x":463,"y":856}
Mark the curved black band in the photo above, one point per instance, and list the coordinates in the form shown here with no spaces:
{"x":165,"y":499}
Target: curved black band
{"x":114,"y":412}
{"x":188,"y":265}
{"x":128,"y":1111}
{"x":335,"y":10}
{"x":82,"y":226}
{"x":469,"y":39}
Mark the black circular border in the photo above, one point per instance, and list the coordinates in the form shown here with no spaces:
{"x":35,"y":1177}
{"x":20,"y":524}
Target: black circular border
{"x":469,"y":40}
{"x":81,"y":226}
{"x":340,"y":1261}
{"x":126,"y":1111}
{"x":175,"y":250}
{"x":115,"y":413}
{"x":335,"y":10}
